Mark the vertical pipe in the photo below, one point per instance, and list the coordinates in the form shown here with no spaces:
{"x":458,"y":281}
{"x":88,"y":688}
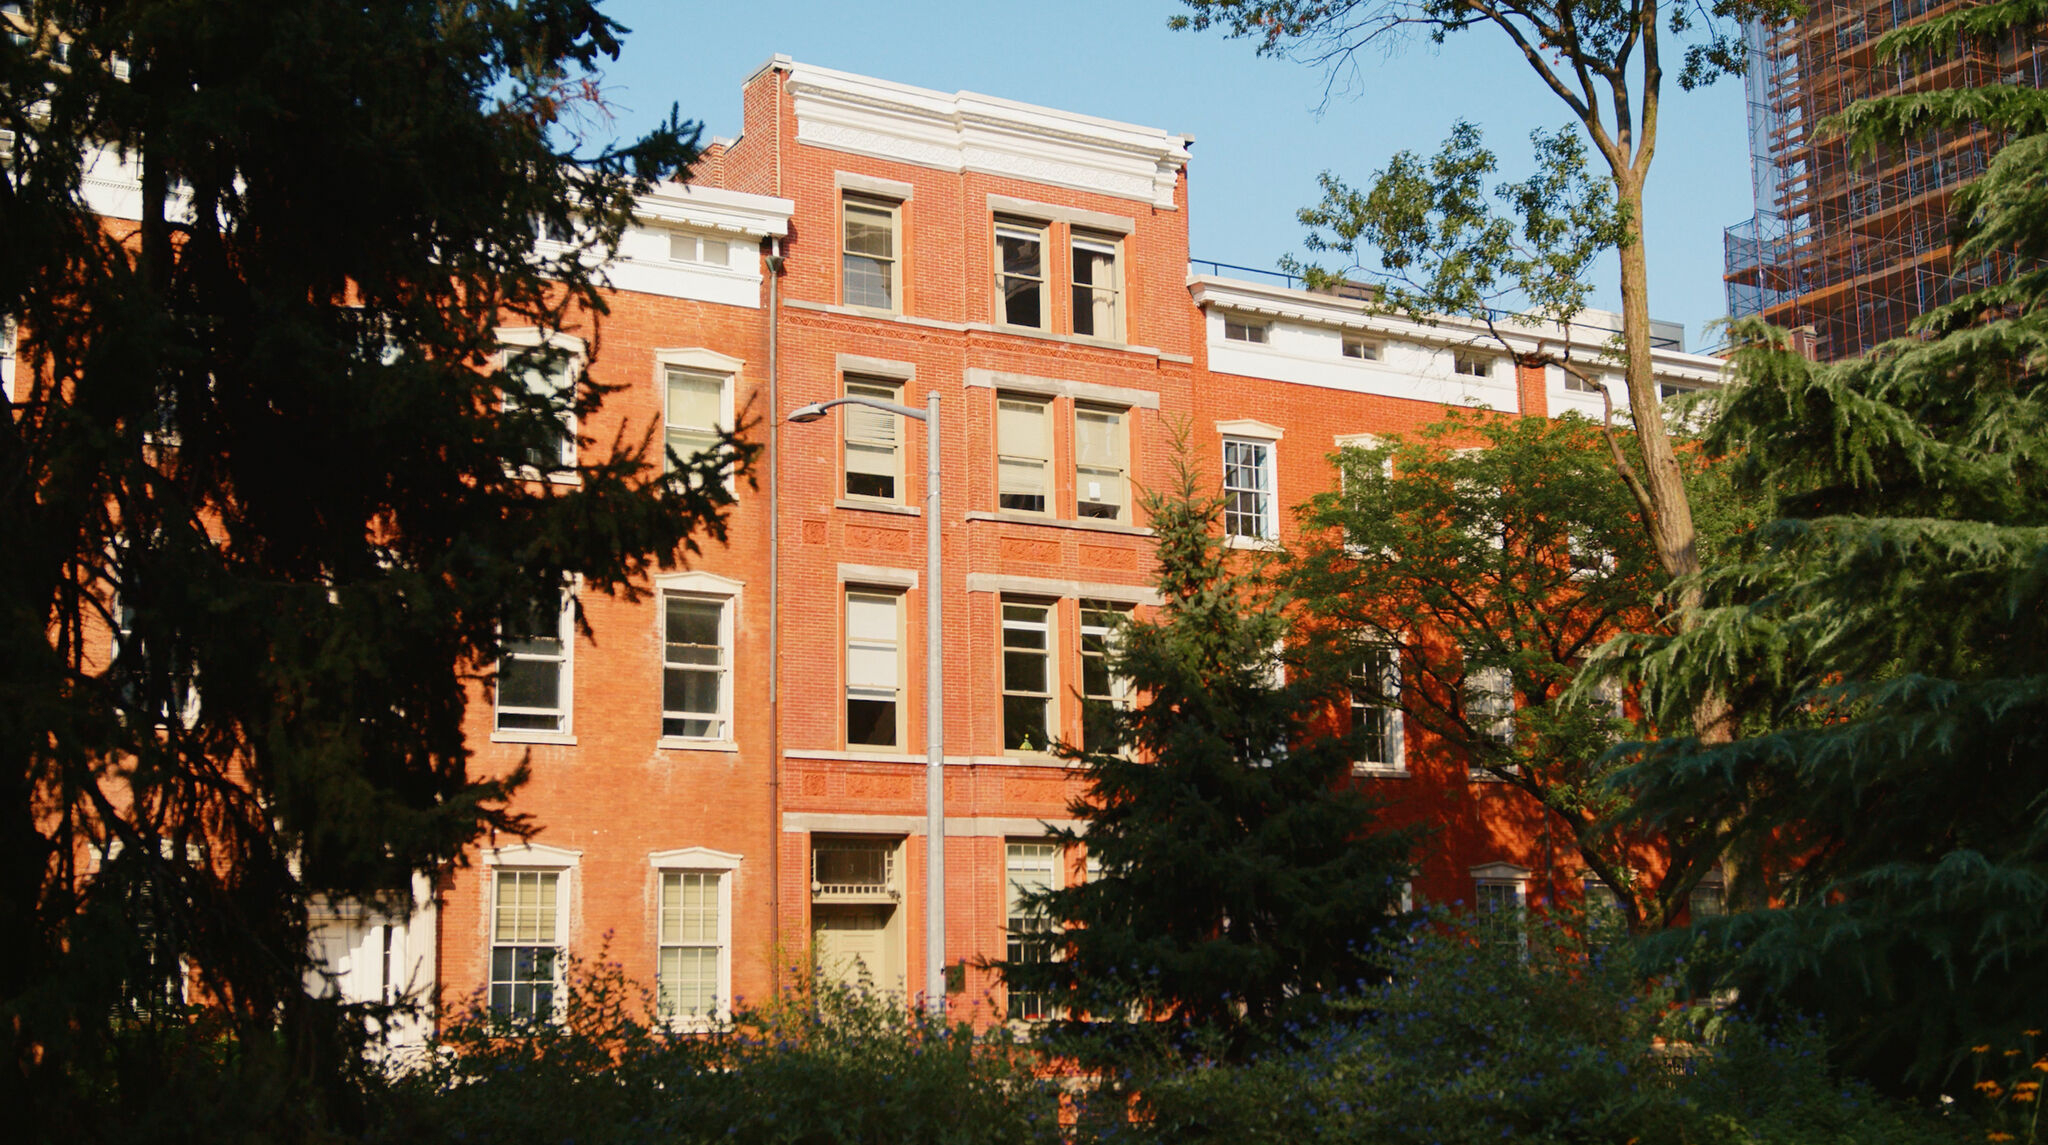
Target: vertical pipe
{"x":774,"y":624}
{"x":934,"y":726}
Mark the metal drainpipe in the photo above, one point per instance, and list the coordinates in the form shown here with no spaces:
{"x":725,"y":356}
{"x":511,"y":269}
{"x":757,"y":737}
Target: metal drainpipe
{"x":774,"y":623}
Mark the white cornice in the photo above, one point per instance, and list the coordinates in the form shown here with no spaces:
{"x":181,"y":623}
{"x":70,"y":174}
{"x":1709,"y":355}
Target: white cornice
{"x":1314,"y":309}
{"x":715,"y":209}
{"x":966,"y":131}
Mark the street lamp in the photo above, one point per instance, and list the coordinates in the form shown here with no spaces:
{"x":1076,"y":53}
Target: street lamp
{"x":934,"y":690}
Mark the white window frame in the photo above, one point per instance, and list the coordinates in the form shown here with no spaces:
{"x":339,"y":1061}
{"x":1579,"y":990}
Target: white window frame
{"x":1050,"y":696}
{"x":1121,"y":475}
{"x":1396,"y":729}
{"x":1268,"y":514}
{"x":514,"y":339}
{"x":721,"y":866}
{"x":1360,"y":348}
{"x":1472,"y":364}
{"x":1576,"y":384}
{"x":1488,"y":685}
{"x":896,"y":599}
{"x":536,"y":859}
{"x":1120,"y":692}
{"x":1016,"y":938}
{"x":10,"y":351}
{"x":1028,"y":230}
{"x":694,"y":248}
{"x":566,"y":732}
{"x":720,"y":716}
{"x":1514,"y":881}
{"x":892,"y":263}
{"x":1097,"y":242}
{"x":1249,"y":331}
{"x":895,"y":443}
{"x":723,"y":368}
{"x":1009,"y":453}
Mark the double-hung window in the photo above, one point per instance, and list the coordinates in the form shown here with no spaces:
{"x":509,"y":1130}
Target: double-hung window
{"x":874,"y":442}
{"x":1098,"y":312}
{"x":1101,"y":463}
{"x":870,"y":268}
{"x":1020,"y":274}
{"x":1102,"y":690}
{"x":1027,"y":676}
{"x":1376,"y":710}
{"x":1244,"y":330}
{"x":691,"y":949}
{"x":874,"y":669}
{"x":1248,"y":509}
{"x":525,"y":943}
{"x":548,"y":378}
{"x":696,"y":411}
{"x":1490,"y":707}
{"x":1023,"y":454}
{"x":1030,"y":869}
{"x":533,"y":670}
{"x":696,"y":677}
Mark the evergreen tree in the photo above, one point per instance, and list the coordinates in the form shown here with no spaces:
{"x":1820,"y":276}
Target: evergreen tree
{"x":1236,"y":877}
{"x":1480,"y":563}
{"x":1891,"y":633}
{"x":266,"y":494}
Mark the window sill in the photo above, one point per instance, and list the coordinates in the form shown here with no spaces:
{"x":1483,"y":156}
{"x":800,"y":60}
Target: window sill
{"x":1083,"y":523}
{"x":678,"y":743}
{"x":1258,"y":544}
{"x":1041,"y":334}
{"x":564,"y":739}
{"x":877,"y":507}
{"x":1482,"y":775}
{"x":1380,"y":771}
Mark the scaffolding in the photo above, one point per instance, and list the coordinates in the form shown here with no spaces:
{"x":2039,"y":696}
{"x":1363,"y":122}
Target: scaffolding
{"x":1854,"y":248}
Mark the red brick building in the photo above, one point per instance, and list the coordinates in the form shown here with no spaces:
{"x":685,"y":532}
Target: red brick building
{"x":730,"y":774}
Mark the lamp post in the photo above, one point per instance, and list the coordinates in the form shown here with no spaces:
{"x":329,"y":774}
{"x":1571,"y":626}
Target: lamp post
{"x":934,"y":690}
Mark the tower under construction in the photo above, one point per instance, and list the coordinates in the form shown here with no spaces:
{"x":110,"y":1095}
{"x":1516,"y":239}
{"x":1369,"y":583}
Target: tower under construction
{"x":1853,"y":247}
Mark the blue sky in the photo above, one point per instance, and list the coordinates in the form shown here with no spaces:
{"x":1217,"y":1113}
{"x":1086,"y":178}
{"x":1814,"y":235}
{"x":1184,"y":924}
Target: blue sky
{"x":1262,"y":127}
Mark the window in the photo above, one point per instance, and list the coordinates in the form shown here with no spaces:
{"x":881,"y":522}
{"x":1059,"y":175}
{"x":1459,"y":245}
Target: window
{"x":1023,"y":454}
{"x":1472,"y":365}
{"x":695,"y":675}
{"x":1490,"y":708}
{"x":1244,"y":330}
{"x":874,"y":670}
{"x":1248,"y":490}
{"x":869,"y":268}
{"x":1030,"y":869}
{"x":1376,"y":710}
{"x":1097,"y":310}
{"x":857,"y":931}
{"x":533,"y":671}
{"x":1101,"y":689}
{"x":1604,"y":917}
{"x":696,"y":412}
{"x":1708,"y":900}
{"x":1500,"y":894}
{"x":548,"y":378}
{"x":1020,"y":274}
{"x":525,"y":943}
{"x":691,"y":957}
{"x":1101,"y":461}
{"x":1361,"y":348}
{"x":154,"y":676}
{"x":1027,"y":676}
{"x":7,"y":351}
{"x":874,"y":458}
{"x":1576,"y":383}
{"x":685,"y":247}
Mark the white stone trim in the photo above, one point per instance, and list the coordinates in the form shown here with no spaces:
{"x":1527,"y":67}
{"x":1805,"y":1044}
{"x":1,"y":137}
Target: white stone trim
{"x":699,"y":582}
{"x":693,"y":859}
{"x":1119,"y":225}
{"x":957,"y":826}
{"x":977,"y":378}
{"x":875,"y":367}
{"x":538,"y":856}
{"x":1051,"y":587}
{"x":1249,"y":428}
{"x":877,"y":576}
{"x":870,"y":185}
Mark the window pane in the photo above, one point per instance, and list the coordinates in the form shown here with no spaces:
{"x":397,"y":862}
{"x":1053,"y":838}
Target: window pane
{"x":1024,"y":723}
{"x":526,"y":683}
{"x":1095,"y":288}
{"x":1023,"y":451}
{"x":695,"y":399}
{"x":872,"y":438}
{"x":870,"y":229}
{"x":717,"y":252}
{"x":871,"y":723}
{"x":1020,"y":276}
{"x":873,"y":669}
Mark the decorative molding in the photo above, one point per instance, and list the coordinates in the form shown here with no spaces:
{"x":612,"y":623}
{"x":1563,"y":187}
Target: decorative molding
{"x":957,"y":827}
{"x":870,"y":185}
{"x":698,"y":581}
{"x":1048,"y":586}
{"x":882,"y":576}
{"x":1500,"y":873}
{"x":964,"y":131}
{"x":699,"y":358}
{"x":1247,"y":427}
{"x":531,"y":855}
{"x":694,"y":858}
{"x":977,"y":378}
{"x":875,"y":367}
{"x":1082,"y":523}
{"x":523,"y":336}
{"x":1052,"y":212}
